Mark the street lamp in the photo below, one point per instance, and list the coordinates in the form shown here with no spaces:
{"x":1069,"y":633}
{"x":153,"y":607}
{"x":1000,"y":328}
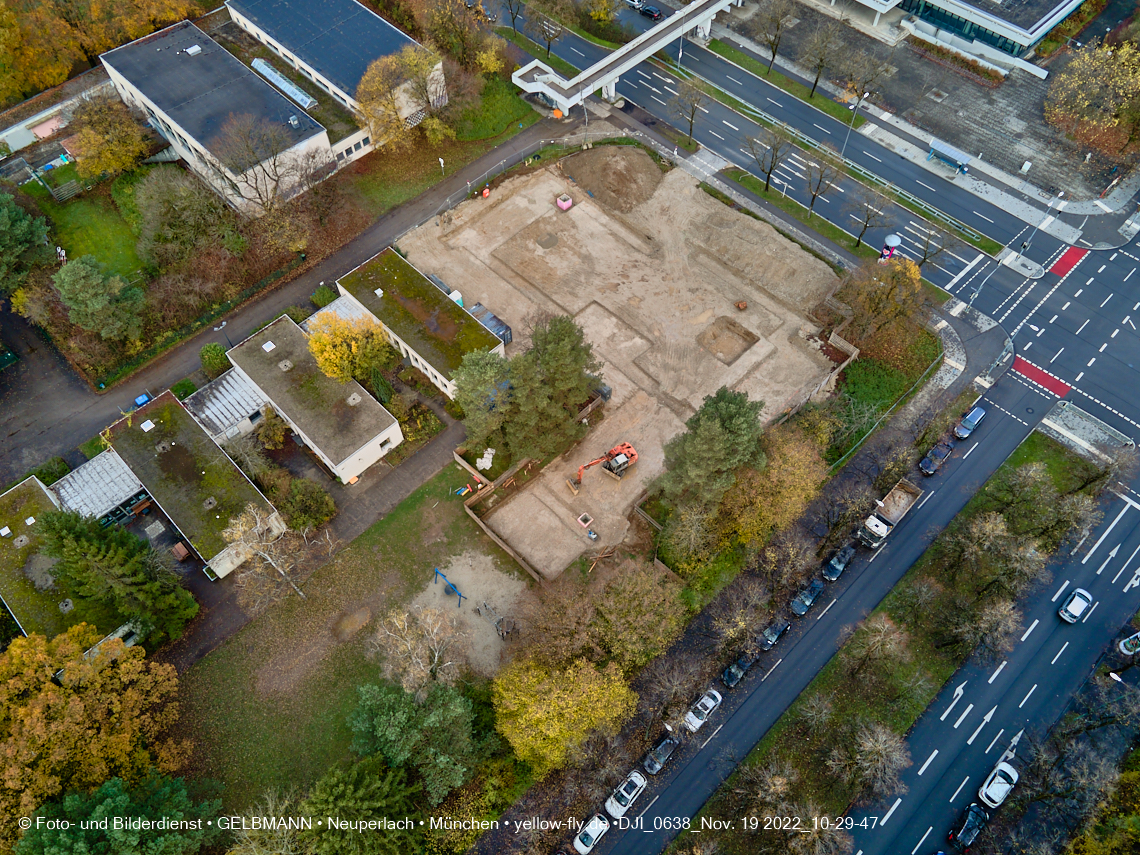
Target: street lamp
{"x":854,"y":113}
{"x":222,"y":330}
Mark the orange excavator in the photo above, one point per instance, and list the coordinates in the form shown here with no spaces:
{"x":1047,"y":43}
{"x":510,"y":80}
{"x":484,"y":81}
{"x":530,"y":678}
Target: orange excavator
{"x":615,"y":463}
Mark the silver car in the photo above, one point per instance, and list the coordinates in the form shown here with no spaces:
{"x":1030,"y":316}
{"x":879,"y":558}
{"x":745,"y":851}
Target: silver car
{"x":700,"y":711}
{"x":998,"y":785}
{"x":624,"y":796}
{"x":1076,"y":606}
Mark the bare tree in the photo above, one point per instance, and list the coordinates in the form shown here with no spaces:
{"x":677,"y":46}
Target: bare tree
{"x":862,"y":71}
{"x":767,"y":786}
{"x":815,"y":712}
{"x":249,"y":454}
{"x":838,"y":510}
{"x":689,"y":531}
{"x":933,"y":242}
{"x":687,"y":103}
{"x":896,"y":464}
{"x":271,"y":555}
{"x":817,"y":838}
{"x":771,"y":23}
{"x":821,"y":50}
{"x":1117,"y":464}
{"x":872,"y":761}
{"x":558,"y":624}
{"x":821,"y":173}
{"x":671,"y":679}
{"x":514,"y":9}
{"x":769,"y":150}
{"x":260,"y":164}
{"x":878,"y":639}
{"x":416,"y":644}
{"x":918,"y":597}
{"x":869,"y":211}
{"x":990,"y":629}
{"x":782,"y":563}
{"x":271,"y":838}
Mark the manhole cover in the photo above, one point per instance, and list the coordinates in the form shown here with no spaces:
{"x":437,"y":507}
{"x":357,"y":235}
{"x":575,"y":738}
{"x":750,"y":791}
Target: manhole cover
{"x":1029,"y":409}
{"x":210,"y":503}
{"x":20,"y":541}
{"x":66,"y":606}
{"x":162,"y":447}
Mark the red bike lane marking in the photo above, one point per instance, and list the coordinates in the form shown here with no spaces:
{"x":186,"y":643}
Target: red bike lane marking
{"x":1041,"y":377}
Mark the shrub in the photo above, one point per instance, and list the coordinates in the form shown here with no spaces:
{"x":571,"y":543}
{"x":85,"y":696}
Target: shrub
{"x":872,"y":382}
{"x":275,"y":484}
{"x":184,"y":388}
{"x":453,"y":409}
{"x":93,"y":447}
{"x":381,"y":388}
{"x":298,"y":313}
{"x":272,"y":430}
{"x":419,"y":381}
{"x":51,"y":471}
{"x":308,"y":505}
{"x":214,"y":360}
{"x":323,"y":296}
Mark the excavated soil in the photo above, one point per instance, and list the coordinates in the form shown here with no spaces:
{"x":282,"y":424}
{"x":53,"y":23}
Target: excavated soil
{"x":619,"y":177}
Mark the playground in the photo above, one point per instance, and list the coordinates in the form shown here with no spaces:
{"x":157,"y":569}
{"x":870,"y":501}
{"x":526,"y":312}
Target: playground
{"x":678,"y":294}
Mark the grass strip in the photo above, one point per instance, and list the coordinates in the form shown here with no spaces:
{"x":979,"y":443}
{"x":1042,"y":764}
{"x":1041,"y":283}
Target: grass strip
{"x":538,"y":52}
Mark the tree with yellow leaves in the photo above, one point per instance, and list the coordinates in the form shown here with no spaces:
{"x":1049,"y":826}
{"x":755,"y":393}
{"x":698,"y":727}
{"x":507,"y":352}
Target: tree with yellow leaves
{"x":882,"y":293}
{"x":1096,"y":97}
{"x":108,"y":715}
{"x":350,"y":349}
{"x":109,"y":140}
{"x":545,"y":713}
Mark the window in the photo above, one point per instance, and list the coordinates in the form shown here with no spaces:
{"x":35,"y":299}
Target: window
{"x":367,"y":141}
{"x":356,"y":147}
{"x":340,"y":155}
{"x":255,"y":417}
{"x":385,"y":445}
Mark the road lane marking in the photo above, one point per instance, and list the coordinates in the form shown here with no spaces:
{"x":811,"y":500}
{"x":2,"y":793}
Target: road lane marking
{"x":648,"y":806}
{"x":1082,"y":326}
{"x":957,"y":696}
{"x":987,"y":219}
{"x":718,"y":136}
{"x":829,"y":605}
{"x":1114,"y":332}
{"x":898,"y":801}
{"x":822,"y":128}
{"x":1053,"y":318}
{"x":1059,"y":352}
{"x":877,"y":159}
{"x":1111,"y":555}
{"x":971,"y":451}
{"x":1106,"y":299}
{"x":929,"y":760}
{"x":1110,"y":528}
{"x":777,"y":103}
{"x":927,"y":186}
{"x":1088,"y":614}
{"x":965,"y":713}
{"x":710,"y":739}
{"x":1129,"y":276}
{"x":915,"y":849}
{"x":1080,"y":291}
{"x":770,"y":670}
{"x":995,"y":739}
{"x":576,"y":51}
{"x":1102,"y":268}
{"x":998,"y":671}
{"x":642,"y":73}
{"x":1023,"y":700}
{"x":734,"y":80}
{"x":1102,"y":347}
{"x":1032,"y":627}
{"x":1060,"y":591}
{"x":968,"y":268}
{"x":1091,"y":361}
{"x":964,"y":780}
{"x":1079,"y":376}
{"x":658,"y":100}
{"x":925,"y":499}
{"x":985,"y":720}
{"x":1059,"y":652}
{"x":1067,"y":304}
{"x":730,"y":125}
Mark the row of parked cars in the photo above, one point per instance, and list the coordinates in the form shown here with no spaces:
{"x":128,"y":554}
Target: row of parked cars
{"x":993,"y":793}
{"x":945,"y":447}
{"x":627,"y":792}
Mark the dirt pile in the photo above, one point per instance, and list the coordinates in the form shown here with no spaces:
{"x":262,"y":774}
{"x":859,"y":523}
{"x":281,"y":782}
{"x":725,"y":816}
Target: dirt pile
{"x":620,"y":177}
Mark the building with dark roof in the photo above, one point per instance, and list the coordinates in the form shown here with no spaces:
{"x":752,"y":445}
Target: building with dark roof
{"x":341,"y":423}
{"x":195,"y":93}
{"x":332,"y":42}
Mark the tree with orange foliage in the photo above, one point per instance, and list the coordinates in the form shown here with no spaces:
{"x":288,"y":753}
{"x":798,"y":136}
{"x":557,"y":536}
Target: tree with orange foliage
{"x":107,"y":715}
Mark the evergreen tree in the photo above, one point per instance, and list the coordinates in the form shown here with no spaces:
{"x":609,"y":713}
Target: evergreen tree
{"x":22,"y":243}
{"x":483,"y":390}
{"x":536,"y":424}
{"x":155,"y":798}
{"x":109,"y":307}
{"x":111,"y":566}
{"x":435,"y":738}
{"x":566,"y":361}
{"x":722,"y":437}
{"x":367,"y":791}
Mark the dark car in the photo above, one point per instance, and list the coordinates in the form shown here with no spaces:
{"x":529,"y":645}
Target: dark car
{"x":651,"y":12}
{"x":834,"y":568}
{"x":970,"y":422}
{"x":966,"y":831}
{"x":807,"y":597}
{"x":936,"y":457}
{"x":735,"y":672}
{"x":655,"y":760}
{"x":768,"y":638}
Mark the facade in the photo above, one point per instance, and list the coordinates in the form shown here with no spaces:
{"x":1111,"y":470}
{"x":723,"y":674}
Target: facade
{"x":190,"y":479}
{"x":429,"y":328}
{"x":191,"y":89}
{"x":1011,"y":28}
{"x":332,"y":42}
{"x":341,"y":423}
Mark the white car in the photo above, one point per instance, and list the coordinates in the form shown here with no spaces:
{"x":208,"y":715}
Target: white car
{"x":700,"y":711}
{"x":623,"y":797}
{"x":1076,"y":606}
{"x":998,"y":785}
{"x":636,"y":4}
{"x":591,"y":834}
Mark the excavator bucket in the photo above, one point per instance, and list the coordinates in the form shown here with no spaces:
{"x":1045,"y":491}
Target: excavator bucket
{"x":573,"y":487}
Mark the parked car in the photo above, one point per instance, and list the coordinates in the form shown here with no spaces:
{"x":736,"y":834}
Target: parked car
{"x":970,"y":422}
{"x":700,"y":711}
{"x":735,"y":672}
{"x":806,"y":598}
{"x":973,"y":820}
{"x":656,"y":759}
{"x":768,"y":638}
{"x":591,"y":834}
{"x":624,"y":796}
{"x":636,"y":4}
{"x":936,"y":457}
{"x":998,"y":785}
{"x":651,"y":12}
{"x":834,"y":568}
{"x":1075,"y":606}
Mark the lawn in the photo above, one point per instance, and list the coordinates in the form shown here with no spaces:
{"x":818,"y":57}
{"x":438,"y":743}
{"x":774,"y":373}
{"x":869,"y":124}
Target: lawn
{"x":269,"y":708}
{"x":538,"y":52}
{"x":90,"y":224}
{"x":500,"y":107}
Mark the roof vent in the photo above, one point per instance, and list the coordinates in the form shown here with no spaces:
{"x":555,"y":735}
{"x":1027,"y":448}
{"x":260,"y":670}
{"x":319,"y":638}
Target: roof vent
{"x":379,"y":292}
{"x":293,"y":121}
{"x":30,"y":521}
{"x":210,"y":503}
{"x":354,"y":399}
{"x":5,"y":532}
{"x":268,"y":346}
{"x":284,"y":364}
{"x":193,"y":50}
{"x":147,"y":426}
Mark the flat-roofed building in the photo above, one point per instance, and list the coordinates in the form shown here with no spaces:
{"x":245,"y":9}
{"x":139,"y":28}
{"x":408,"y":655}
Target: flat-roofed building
{"x":104,"y":487}
{"x":242,"y":136}
{"x":228,"y":407}
{"x":342,"y":423}
{"x":428,"y":327}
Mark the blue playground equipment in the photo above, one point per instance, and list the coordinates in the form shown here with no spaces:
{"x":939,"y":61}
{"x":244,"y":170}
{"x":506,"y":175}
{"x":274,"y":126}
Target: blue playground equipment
{"x":450,"y":587}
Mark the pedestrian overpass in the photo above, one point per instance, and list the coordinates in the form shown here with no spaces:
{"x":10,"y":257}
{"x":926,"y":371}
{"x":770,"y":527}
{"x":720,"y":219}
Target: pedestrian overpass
{"x":539,"y":78}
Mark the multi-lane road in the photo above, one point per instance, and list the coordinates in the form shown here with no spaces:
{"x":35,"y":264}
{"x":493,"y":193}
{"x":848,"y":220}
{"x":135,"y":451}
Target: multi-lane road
{"x":1075,"y":334}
